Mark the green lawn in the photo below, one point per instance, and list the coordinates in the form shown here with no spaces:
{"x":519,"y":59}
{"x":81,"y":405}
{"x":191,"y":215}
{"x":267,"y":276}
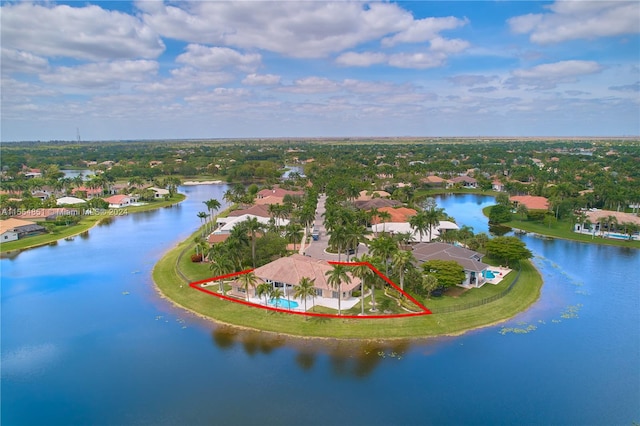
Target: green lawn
{"x":165,"y":275}
{"x":86,"y":223}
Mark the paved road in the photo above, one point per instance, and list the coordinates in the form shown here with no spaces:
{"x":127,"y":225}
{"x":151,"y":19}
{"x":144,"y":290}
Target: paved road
{"x":317,"y":249}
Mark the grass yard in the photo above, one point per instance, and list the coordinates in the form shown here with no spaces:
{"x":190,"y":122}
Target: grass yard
{"x":171,"y":285}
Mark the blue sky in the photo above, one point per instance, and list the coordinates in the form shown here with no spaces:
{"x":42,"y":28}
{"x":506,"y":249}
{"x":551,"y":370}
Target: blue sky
{"x":216,"y":69}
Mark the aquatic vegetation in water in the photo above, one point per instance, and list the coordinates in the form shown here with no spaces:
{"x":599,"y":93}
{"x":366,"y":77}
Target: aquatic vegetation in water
{"x":518,"y":330}
{"x":571,"y":311}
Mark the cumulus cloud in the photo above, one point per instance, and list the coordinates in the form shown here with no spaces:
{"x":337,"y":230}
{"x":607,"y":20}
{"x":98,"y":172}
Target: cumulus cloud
{"x":571,"y":20}
{"x":89,"y":32}
{"x":312,"y":85}
{"x":20,"y":61}
{"x":424,"y":30}
{"x":471,"y":79}
{"x":419,"y":60}
{"x":364,"y":59}
{"x":261,"y":80}
{"x":548,"y":76}
{"x":216,"y":58}
{"x":99,"y":75}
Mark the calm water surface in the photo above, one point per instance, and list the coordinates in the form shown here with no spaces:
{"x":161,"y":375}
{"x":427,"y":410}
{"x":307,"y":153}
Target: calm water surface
{"x":86,"y":340}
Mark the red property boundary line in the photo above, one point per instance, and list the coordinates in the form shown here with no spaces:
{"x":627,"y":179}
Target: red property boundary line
{"x":425,"y":311}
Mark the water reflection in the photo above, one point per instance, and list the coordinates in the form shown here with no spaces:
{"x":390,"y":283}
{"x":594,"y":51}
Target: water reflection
{"x":347,"y":358}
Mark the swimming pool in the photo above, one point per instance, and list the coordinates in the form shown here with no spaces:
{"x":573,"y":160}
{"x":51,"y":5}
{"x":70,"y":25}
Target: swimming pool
{"x":489,"y":274}
{"x":282,"y":303}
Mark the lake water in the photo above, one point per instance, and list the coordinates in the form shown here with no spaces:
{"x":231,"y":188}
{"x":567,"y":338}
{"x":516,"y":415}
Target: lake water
{"x":86,"y":340}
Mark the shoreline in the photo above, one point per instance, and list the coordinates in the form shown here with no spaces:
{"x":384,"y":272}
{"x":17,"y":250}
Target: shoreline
{"x":198,"y":304}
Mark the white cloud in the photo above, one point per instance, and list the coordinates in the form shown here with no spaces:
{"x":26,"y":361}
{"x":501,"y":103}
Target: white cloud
{"x":419,"y":60}
{"x":312,"y":85}
{"x":261,"y":80}
{"x":364,"y":59}
{"x":471,"y":79}
{"x":217,"y":58}
{"x":77,"y":32}
{"x":570,"y":20}
{"x":307,"y":29}
{"x":100,"y":75}
{"x":14,"y":61}
{"x":547,"y":76}
{"x":424,"y":30}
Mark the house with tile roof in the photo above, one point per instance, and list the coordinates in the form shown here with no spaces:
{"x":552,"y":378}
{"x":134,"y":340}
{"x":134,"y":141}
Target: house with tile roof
{"x":470,"y":260}
{"x":532,"y":202}
{"x":287,"y":272}
{"x":464,"y":181}
{"x":398,"y":214}
{"x":118,"y":201}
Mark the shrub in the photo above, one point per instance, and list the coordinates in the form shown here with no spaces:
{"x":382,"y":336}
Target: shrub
{"x":196,"y":258}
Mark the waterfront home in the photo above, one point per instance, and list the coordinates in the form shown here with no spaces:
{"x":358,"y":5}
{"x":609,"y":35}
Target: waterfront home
{"x":14,"y":229}
{"x":395,"y":228}
{"x":159,"y":192}
{"x":433,"y":180}
{"x":397,"y":214}
{"x":498,"y":186}
{"x":275,"y":196}
{"x":89,"y":192}
{"x":118,"y":201}
{"x":464,"y":181}
{"x":608,"y":223}
{"x":257,"y":210}
{"x":287,"y":272}
{"x":471,"y":261}
{"x":531,"y":202}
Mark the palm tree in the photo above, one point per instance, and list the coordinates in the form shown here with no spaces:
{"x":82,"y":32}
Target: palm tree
{"x":337,"y":239}
{"x":263,"y":290}
{"x":202,"y":216}
{"x":212,"y":205}
{"x":248,"y":280}
{"x":275,"y":294}
{"x":293,"y":232}
{"x":383,"y":247}
{"x":221,"y":267}
{"x":253,"y":226}
{"x":384,"y":216}
{"x":402,"y":260}
{"x":335,"y":278}
{"x":419,"y":223}
{"x":364,"y":272}
{"x":305,"y":289}
{"x":432,"y":219}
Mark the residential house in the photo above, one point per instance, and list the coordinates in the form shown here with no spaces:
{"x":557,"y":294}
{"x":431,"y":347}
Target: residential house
{"x":433,"y":180}
{"x":90,"y":192}
{"x":287,"y":272}
{"x":159,"y":193}
{"x":226,"y":224}
{"x":532,"y":202}
{"x":398,"y":214}
{"x":275,"y":196}
{"x":369,"y":195}
{"x":469,"y":260}
{"x":118,"y":201}
{"x":605,"y":222}
{"x":396,"y":228}
{"x":464,"y":181}
{"x":13,"y":229}
{"x":496,"y":185}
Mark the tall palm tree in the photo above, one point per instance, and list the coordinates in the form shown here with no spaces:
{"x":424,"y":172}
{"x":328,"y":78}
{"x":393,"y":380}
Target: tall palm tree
{"x":402,"y":260}
{"x":202,"y":216}
{"x":275,"y":294}
{"x":305,"y":289}
{"x":335,"y":277}
{"x":419,"y":223}
{"x":432,"y":219}
{"x":212,"y":205}
{"x":293,"y":232}
{"x":253,"y":226}
{"x":248,"y":280}
{"x":383,"y":247}
{"x":384,"y":217}
{"x":263,"y":290}
{"x":221,"y":267}
{"x":364,"y":272}
{"x":337,"y":239}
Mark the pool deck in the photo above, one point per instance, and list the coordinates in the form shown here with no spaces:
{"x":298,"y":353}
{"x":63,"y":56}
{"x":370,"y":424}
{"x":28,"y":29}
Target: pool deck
{"x":502,"y":272}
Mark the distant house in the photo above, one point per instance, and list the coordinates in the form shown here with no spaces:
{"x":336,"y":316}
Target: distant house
{"x":496,"y":185}
{"x":433,"y":180}
{"x":376,"y":203}
{"x":275,"y":196}
{"x":398,"y":214}
{"x":90,"y":192}
{"x":159,"y":193}
{"x":396,"y":228}
{"x":63,"y":201}
{"x":118,"y":201}
{"x":368,"y":195}
{"x":464,"y":181}
{"x":532,"y":202}
{"x":468,"y":259}
{"x":287,"y":272}
{"x":14,"y":229}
